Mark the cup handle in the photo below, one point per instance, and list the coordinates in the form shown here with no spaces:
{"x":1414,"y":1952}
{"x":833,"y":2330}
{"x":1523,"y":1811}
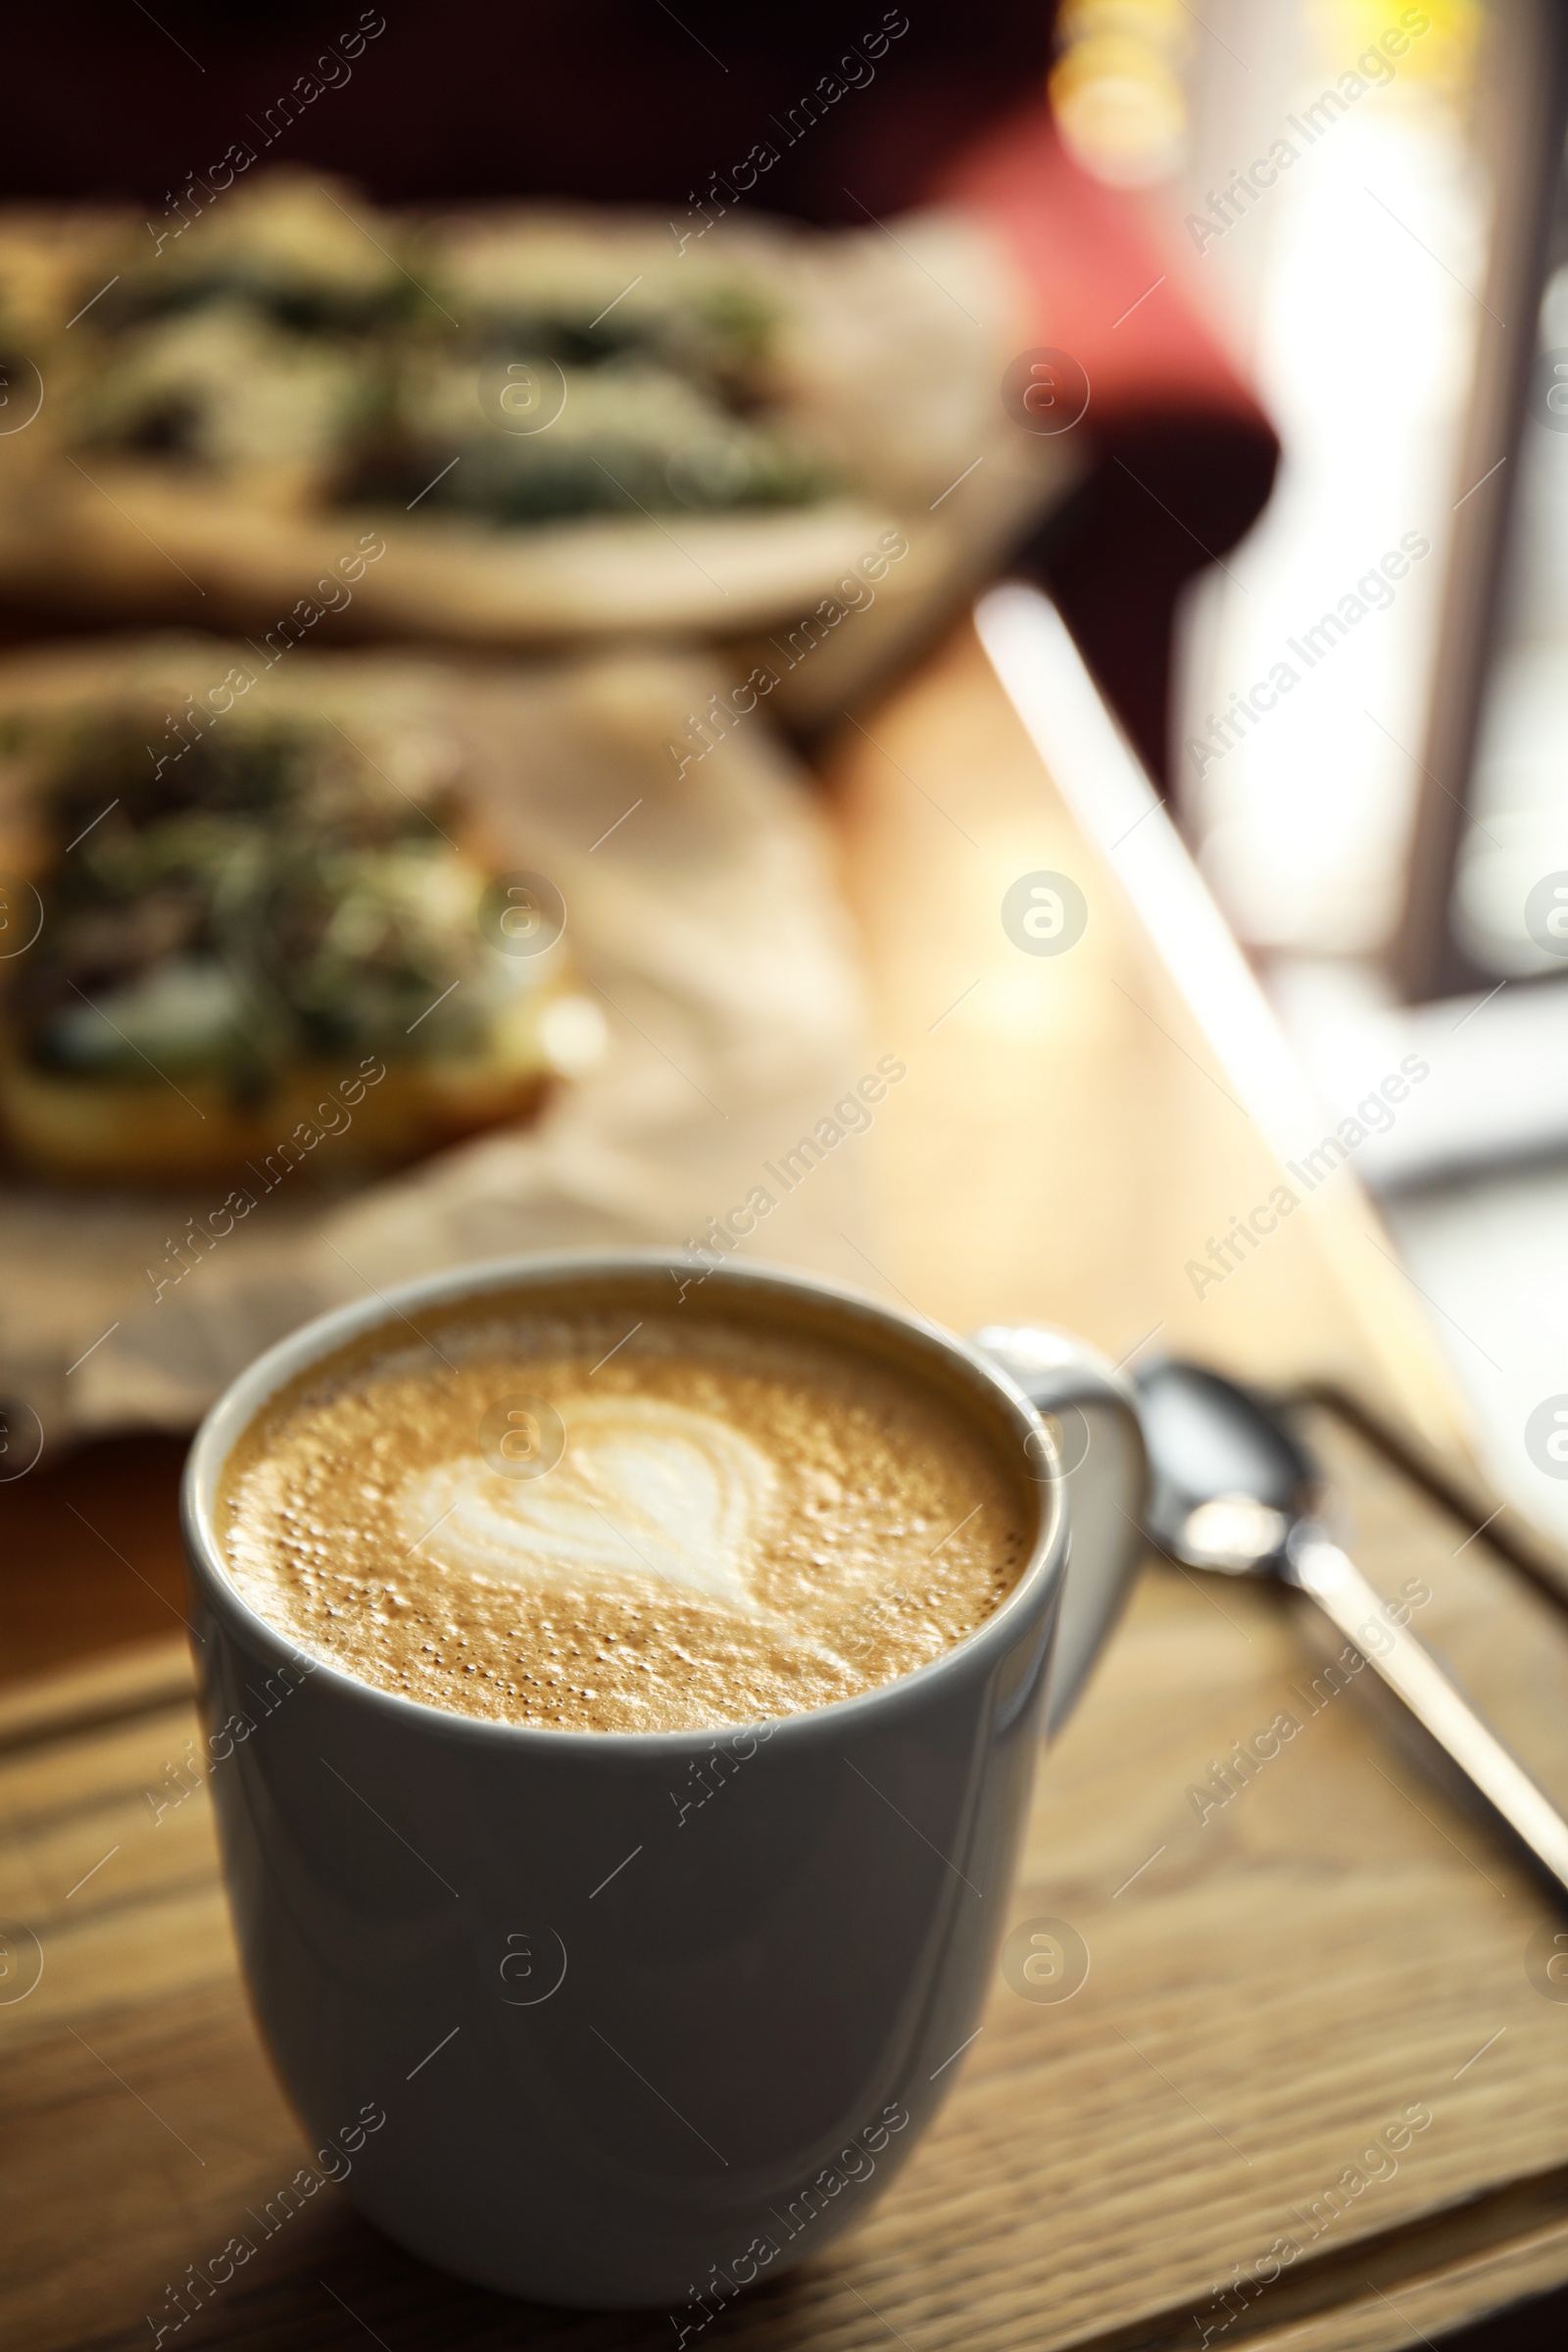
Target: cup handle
{"x":1101,"y":1441}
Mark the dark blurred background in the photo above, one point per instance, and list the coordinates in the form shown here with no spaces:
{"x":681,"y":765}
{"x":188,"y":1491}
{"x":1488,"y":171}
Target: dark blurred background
{"x":470,"y":99}
{"x":116,"y":101}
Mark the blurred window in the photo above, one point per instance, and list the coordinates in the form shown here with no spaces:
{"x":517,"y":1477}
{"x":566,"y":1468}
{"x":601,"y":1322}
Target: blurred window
{"x":1341,"y":203}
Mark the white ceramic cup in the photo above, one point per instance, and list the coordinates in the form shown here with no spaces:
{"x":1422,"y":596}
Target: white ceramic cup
{"x":623,"y":2053}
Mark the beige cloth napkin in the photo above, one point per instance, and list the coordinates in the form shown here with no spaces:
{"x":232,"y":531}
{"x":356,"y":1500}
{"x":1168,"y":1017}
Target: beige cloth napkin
{"x":702,"y":917}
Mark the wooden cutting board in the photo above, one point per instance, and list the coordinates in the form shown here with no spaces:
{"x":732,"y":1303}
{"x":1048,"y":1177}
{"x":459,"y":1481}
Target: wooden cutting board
{"x":1278,"y":1982}
{"x":1270,"y":1988}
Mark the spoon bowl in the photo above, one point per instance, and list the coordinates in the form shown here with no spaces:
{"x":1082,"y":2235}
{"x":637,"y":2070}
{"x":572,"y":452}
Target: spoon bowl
{"x":1227,"y":1478}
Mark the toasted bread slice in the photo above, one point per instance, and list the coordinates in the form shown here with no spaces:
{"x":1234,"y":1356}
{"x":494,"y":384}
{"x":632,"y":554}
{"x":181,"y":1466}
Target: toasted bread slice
{"x":325,"y":1122}
{"x":185,"y":1080}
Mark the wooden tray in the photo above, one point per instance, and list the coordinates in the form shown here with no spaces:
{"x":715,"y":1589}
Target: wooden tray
{"x":1271,"y":1988}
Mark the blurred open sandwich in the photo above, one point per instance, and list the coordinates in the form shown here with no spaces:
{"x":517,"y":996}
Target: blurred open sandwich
{"x":249,"y":929}
{"x":558,"y":421}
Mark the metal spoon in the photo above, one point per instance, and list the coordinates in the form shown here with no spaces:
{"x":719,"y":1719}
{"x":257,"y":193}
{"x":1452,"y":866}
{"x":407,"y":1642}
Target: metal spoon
{"x":1232,"y":1488}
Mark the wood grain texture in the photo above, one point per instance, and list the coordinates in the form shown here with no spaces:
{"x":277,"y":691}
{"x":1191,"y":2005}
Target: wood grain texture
{"x":1270,"y":1986}
{"x":1067,"y":1142}
{"x":91,"y":1547}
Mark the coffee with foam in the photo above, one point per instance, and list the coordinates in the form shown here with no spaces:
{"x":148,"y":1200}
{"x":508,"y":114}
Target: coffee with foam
{"x":583,"y":1517}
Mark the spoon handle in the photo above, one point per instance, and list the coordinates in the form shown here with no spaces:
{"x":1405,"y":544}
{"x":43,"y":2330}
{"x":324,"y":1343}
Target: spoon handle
{"x":1344,"y":1593}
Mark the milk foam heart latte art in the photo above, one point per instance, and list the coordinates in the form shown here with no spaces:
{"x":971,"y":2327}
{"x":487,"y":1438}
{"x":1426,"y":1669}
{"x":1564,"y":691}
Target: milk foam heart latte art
{"x":641,"y":1483}
{"x":742,"y":1520}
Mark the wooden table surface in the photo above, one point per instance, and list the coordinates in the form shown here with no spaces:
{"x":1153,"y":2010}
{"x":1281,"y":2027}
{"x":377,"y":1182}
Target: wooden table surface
{"x":1272,"y":1987}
